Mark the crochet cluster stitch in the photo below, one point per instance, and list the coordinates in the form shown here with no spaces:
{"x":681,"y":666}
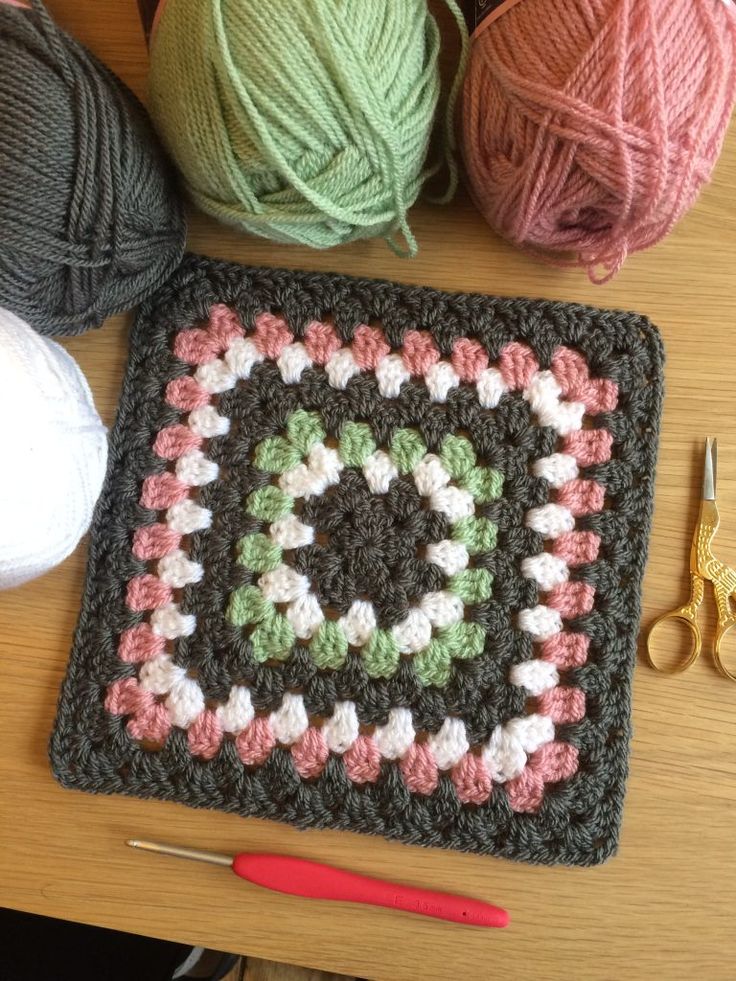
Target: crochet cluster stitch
{"x":369,"y":557}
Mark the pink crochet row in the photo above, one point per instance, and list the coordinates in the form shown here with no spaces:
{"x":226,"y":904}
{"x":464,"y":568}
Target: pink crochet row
{"x":551,"y":763}
{"x":419,"y":352}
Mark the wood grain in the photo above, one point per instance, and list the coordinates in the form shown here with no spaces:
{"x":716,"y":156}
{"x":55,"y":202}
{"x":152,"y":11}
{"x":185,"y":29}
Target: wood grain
{"x":258,"y":970}
{"x":664,"y":905}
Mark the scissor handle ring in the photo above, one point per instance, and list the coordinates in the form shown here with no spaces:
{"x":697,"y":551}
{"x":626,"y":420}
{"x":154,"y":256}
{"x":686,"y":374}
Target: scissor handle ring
{"x":684,"y":617}
{"x":721,"y":632}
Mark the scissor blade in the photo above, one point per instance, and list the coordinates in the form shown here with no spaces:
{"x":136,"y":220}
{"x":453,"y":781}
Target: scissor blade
{"x":710,"y":470}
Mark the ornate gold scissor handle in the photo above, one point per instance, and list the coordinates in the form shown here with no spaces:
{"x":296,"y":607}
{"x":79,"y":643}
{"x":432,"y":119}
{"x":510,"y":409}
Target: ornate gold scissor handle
{"x":686,"y":614}
{"x":704,"y":567}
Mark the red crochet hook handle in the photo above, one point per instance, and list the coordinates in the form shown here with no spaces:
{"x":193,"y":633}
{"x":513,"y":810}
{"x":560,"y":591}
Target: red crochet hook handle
{"x":300,"y":877}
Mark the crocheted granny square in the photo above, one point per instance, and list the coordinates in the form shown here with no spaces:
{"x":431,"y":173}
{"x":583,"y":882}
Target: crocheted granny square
{"x":369,"y":557}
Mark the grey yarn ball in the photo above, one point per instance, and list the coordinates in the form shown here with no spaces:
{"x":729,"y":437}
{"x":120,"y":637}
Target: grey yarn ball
{"x":90,"y":223}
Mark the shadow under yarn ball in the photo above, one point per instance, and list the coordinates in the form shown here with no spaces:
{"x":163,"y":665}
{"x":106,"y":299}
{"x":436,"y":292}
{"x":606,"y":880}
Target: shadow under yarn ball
{"x":90,"y":223}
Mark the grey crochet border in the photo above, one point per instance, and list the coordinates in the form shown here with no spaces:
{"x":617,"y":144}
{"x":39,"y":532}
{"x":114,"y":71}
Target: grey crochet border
{"x":579,"y":820}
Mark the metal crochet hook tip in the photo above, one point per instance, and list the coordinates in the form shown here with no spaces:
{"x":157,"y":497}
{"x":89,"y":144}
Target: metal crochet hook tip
{"x":710,"y":469}
{"x":213,"y":858}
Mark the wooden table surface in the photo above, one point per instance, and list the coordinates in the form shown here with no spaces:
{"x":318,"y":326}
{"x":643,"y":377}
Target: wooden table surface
{"x":665,"y":904}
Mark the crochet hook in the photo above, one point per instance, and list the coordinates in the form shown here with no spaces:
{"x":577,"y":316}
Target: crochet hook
{"x":313,"y":880}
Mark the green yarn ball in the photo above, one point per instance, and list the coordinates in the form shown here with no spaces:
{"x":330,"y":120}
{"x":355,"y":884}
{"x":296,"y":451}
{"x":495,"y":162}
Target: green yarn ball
{"x":302,"y":122}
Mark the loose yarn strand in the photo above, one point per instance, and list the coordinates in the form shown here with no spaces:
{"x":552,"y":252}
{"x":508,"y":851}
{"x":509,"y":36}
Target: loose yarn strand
{"x":449,"y":137}
{"x":380,"y":136}
{"x":590,"y":126}
{"x":318,"y":200}
{"x":304,"y":123}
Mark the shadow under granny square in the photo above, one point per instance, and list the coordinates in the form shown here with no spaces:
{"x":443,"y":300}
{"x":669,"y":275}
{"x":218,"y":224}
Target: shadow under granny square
{"x":368,"y":557}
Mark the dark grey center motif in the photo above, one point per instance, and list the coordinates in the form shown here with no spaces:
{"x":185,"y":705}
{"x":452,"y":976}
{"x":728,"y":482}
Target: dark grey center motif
{"x":371,"y":546}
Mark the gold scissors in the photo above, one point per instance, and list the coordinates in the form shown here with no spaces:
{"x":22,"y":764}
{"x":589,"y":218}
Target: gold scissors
{"x":704,"y":566}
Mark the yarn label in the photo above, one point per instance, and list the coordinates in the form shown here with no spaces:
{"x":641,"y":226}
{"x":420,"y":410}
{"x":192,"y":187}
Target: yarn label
{"x":480,"y":14}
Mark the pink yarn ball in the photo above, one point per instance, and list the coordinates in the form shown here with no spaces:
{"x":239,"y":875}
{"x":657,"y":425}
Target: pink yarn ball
{"x":590,"y":126}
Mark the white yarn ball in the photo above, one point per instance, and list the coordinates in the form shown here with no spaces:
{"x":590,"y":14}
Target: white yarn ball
{"x":53,"y":452}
